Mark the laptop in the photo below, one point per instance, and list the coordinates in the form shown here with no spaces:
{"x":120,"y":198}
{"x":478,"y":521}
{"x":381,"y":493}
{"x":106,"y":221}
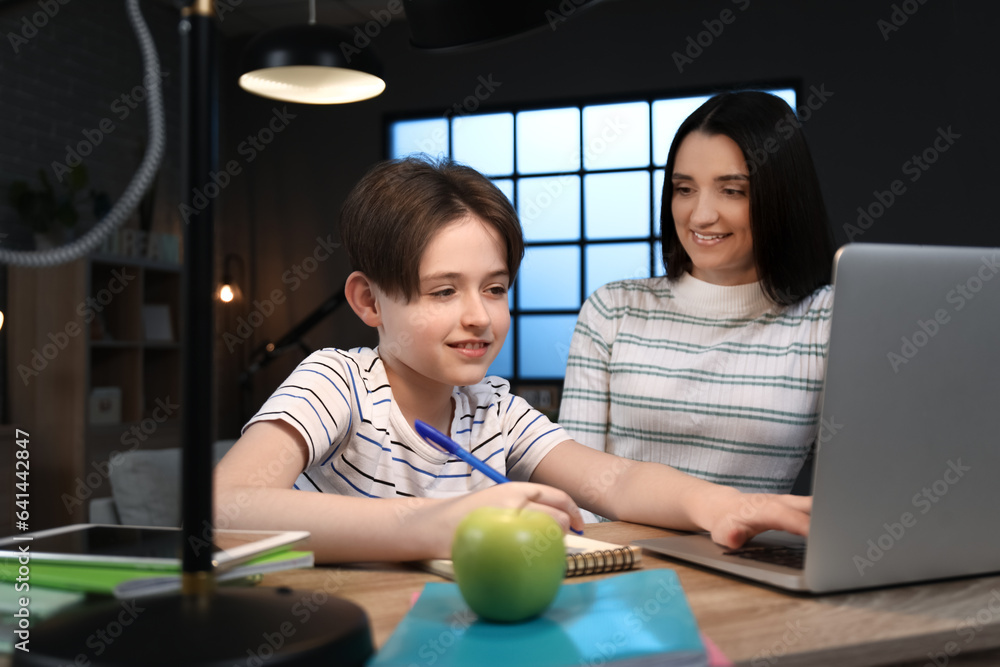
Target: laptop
{"x":906,"y":477}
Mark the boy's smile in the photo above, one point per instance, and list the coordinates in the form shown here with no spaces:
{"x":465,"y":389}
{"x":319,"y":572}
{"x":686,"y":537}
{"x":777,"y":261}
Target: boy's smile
{"x":450,"y":332}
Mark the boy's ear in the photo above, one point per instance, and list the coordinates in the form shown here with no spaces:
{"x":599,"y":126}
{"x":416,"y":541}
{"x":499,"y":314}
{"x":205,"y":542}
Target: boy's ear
{"x":360,"y":293}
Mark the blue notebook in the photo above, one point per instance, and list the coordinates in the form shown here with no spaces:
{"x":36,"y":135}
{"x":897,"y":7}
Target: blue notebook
{"x":634,"y":618}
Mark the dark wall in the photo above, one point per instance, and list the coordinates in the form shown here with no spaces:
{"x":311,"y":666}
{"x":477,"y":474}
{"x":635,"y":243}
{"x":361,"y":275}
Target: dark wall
{"x":885,"y":86}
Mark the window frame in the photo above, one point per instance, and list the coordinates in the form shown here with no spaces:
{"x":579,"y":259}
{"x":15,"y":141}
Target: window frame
{"x":652,"y":238}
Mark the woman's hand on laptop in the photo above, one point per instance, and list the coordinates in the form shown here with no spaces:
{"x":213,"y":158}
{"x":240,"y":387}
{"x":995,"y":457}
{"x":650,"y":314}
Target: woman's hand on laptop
{"x":740,"y":516}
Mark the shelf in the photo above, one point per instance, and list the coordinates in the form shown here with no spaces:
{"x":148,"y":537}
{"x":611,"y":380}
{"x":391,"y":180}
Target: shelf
{"x":103,"y":298}
{"x":134,"y":382}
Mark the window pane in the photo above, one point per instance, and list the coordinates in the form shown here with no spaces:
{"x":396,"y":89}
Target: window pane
{"x":616,"y":136}
{"x":420,"y":136}
{"x":616,"y":261}
{"x":548,"y":140}
{"x":658,"y":268}
{"x":550,"y":278}
{"x":506,"y":186}
{"x":503,"y":365}
{"x":544,"y":345}
{"x":617,"y":205}
{"x":549,"y":207}
{"x":667,"y":117}
{"x":485,"y":142}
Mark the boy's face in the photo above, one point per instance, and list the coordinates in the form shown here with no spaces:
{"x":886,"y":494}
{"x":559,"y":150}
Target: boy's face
{"x":452,"y":330}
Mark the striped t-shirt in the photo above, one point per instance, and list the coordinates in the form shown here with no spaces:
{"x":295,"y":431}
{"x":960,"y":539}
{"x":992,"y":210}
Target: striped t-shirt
{"x":360,"y":444}
{"x":716,"y":381}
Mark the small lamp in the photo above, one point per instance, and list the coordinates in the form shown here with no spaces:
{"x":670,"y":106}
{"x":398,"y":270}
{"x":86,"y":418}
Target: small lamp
{"x":229,"y":289}
{"x":311,"y":64}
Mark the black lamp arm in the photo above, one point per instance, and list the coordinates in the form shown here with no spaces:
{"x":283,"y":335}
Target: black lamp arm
{"x":269,"y":351}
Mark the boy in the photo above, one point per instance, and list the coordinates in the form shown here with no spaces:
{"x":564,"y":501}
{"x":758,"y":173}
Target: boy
{"x":434,"y":248}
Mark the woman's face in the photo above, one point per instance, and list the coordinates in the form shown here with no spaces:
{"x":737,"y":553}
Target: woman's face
{"x":711,"y":208}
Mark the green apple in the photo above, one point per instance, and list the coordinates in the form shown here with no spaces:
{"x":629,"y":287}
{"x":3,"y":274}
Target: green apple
{"x":509,"y":563}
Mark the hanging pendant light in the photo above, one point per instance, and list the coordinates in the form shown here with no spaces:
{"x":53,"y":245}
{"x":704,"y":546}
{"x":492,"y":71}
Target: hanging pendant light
{"x":311,"y":64}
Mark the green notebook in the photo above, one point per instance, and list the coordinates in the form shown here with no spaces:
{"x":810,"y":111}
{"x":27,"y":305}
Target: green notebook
{"x":126,"y":582}
{"x":635,"y":618}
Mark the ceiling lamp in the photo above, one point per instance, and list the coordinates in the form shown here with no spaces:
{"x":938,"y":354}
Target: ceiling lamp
{"x":308,"y":64}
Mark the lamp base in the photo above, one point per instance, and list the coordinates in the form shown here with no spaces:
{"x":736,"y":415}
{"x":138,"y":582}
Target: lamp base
{"x":252,"y":627}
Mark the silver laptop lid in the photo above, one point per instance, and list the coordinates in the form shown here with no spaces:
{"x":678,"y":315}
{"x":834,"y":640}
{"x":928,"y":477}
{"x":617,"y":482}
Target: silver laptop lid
{"x":907,"y":479}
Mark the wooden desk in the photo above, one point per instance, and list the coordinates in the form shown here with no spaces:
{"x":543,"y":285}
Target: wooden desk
{"x":753,"y":625}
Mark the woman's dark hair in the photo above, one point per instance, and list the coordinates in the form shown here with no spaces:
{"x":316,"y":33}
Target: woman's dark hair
{"x":792,"y":244}
{"x":398,"y":206}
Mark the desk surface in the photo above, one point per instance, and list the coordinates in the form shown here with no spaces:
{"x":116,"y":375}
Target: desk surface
{"x":755,"y":626}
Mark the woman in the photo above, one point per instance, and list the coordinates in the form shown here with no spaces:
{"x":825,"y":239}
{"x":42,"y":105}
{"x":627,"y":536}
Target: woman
{"x":716,"y":368}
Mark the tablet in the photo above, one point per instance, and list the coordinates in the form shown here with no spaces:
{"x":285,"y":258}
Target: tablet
{"x":141,"y":547}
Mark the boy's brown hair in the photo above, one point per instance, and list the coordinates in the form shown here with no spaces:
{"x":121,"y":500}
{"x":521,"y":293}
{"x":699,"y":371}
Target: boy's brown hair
{"x":398,"y":206}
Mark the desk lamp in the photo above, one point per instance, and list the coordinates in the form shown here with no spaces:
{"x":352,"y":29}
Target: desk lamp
{"x":202,"y":624}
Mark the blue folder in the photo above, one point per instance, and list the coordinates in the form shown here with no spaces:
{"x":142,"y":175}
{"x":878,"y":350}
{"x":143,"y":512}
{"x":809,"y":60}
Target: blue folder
{"x":634,"y":618}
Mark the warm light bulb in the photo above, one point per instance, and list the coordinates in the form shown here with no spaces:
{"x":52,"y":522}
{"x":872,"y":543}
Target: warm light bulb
{"x":226,"y":293}
{"x":1,"y":319}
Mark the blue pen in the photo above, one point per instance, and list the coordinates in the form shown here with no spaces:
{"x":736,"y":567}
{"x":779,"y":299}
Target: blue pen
{"x":442,"y":442}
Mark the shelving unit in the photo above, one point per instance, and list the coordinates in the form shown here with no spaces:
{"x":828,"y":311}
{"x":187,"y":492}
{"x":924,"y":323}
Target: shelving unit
{"x":104,"y":322}
{"x":134,"y":351}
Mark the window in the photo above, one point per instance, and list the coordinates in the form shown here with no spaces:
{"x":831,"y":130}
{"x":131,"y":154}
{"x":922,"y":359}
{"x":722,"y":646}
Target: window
{"x":586,"y":181}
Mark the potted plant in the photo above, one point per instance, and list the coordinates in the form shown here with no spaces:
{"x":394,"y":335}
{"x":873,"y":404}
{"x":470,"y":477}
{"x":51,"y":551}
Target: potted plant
{"x":53,"y":214}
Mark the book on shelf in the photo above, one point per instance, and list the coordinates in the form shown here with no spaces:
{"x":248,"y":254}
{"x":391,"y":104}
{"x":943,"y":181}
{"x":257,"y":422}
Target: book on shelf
{"x":627,"y":619}
{"x":584,"y":555}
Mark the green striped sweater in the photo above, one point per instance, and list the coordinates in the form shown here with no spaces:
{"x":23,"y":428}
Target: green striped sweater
{"x":715,"y":381}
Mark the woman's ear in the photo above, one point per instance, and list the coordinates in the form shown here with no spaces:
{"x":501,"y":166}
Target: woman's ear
{"x":361,"y":294}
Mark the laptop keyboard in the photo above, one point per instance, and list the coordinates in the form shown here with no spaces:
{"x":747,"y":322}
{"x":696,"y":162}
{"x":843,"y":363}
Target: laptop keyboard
{"x":789,"y":556}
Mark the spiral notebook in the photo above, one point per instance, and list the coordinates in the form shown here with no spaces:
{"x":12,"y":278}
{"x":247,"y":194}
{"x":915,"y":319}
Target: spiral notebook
{"x":583,"y":556}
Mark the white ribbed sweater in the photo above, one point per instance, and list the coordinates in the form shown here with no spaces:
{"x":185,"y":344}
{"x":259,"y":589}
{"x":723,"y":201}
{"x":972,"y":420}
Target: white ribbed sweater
{"x":715,"y":381}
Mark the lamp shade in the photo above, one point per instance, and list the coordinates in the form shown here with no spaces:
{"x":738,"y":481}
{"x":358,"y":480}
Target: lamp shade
{"x":312,"y":64}
{"x":453,"y":24}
